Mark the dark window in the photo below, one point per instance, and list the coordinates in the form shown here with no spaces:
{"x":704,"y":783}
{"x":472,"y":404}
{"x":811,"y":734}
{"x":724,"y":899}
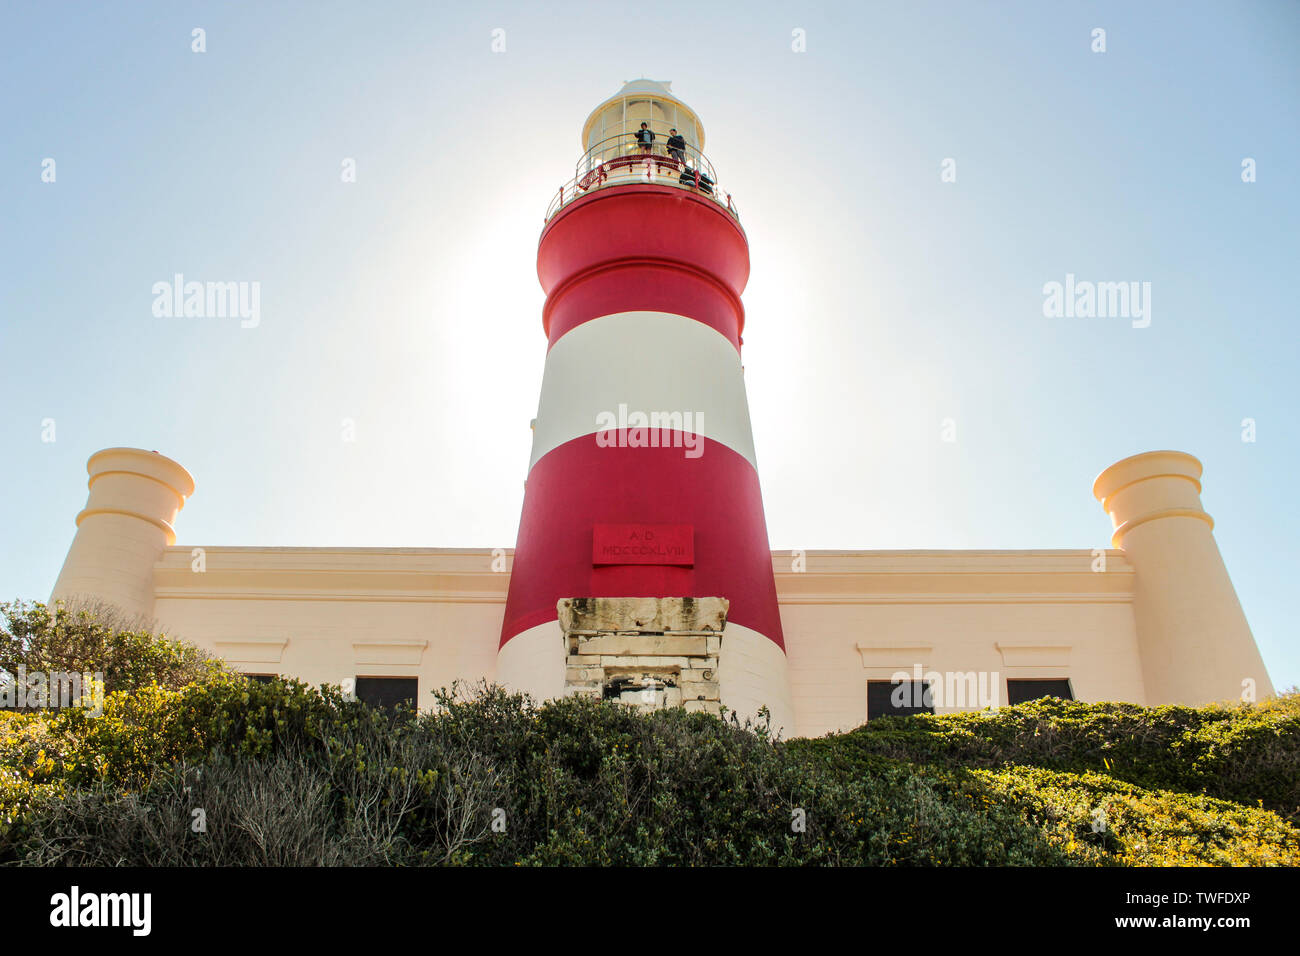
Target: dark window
{"x":885,"y":697}
{"x":635,"y":690}
{"x":387,"y":692}
{"x":1019,"y":691}
{"x":262,"y":678}
{"x":615,"y":689}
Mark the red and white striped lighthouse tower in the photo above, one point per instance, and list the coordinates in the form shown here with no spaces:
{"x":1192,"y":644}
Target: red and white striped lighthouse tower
{"x":643,"y":480}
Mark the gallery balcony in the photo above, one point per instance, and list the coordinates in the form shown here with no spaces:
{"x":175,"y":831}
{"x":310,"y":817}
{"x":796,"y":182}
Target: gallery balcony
{"x":623,"y":160}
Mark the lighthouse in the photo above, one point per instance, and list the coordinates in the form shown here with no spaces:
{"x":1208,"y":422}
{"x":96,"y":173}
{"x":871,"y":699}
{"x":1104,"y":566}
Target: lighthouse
{"x":642,"y":570}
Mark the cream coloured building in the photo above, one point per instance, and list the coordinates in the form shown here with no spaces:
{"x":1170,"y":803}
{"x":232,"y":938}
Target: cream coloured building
{"x":1156,"y":620}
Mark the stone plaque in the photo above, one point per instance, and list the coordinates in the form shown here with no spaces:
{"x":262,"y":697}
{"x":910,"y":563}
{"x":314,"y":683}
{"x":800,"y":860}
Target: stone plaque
{"x":664,"y":544}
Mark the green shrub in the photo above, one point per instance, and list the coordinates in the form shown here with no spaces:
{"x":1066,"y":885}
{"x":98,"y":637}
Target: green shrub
{"x":273,"y":812}
{"x":1251,"y":756}
{"x":1095,"y":818}
{"x":573,"y":781}
{"x":1246,"y":753}
{"x":293,"y":775}
{"x":94,"y":640}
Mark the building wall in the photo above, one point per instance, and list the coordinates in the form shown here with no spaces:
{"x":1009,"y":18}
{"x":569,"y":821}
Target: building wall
{"x":326,"y":614}
{"x":851,"y":617}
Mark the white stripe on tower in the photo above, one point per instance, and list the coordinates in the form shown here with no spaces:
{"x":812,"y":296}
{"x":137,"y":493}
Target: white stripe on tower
{"x":648,"y":362}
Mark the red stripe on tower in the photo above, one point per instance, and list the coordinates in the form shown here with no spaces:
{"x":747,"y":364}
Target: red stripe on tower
{"x":580,"y":485}
{"x":648,"y":247}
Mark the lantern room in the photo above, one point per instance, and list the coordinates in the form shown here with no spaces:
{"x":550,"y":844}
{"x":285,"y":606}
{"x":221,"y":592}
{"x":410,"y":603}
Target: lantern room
{"x":617,"y":151}
{"x":642,"y":101}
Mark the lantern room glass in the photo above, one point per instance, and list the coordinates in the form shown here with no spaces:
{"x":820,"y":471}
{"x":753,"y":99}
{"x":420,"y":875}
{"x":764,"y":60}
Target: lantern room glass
{"x":624,"y":117}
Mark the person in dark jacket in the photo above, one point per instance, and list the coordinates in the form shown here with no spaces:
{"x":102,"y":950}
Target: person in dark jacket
{"x":645,"y":137}
{"x":676,"y":146}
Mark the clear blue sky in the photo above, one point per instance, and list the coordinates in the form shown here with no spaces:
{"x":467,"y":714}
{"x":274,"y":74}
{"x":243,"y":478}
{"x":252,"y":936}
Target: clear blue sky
{"x":882,"y":301}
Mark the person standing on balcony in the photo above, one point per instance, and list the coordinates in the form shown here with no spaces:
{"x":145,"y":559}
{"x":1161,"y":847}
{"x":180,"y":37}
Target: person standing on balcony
{"x":677,"y":146}
{"x":645,"y":137}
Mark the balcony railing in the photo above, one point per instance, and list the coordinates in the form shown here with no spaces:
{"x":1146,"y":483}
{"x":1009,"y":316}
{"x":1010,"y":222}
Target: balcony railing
{"x":623,"y":159}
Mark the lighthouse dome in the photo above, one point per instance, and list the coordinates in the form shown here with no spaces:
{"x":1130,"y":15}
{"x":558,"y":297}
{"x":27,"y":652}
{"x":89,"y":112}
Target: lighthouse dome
{"x":646,"y":86}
